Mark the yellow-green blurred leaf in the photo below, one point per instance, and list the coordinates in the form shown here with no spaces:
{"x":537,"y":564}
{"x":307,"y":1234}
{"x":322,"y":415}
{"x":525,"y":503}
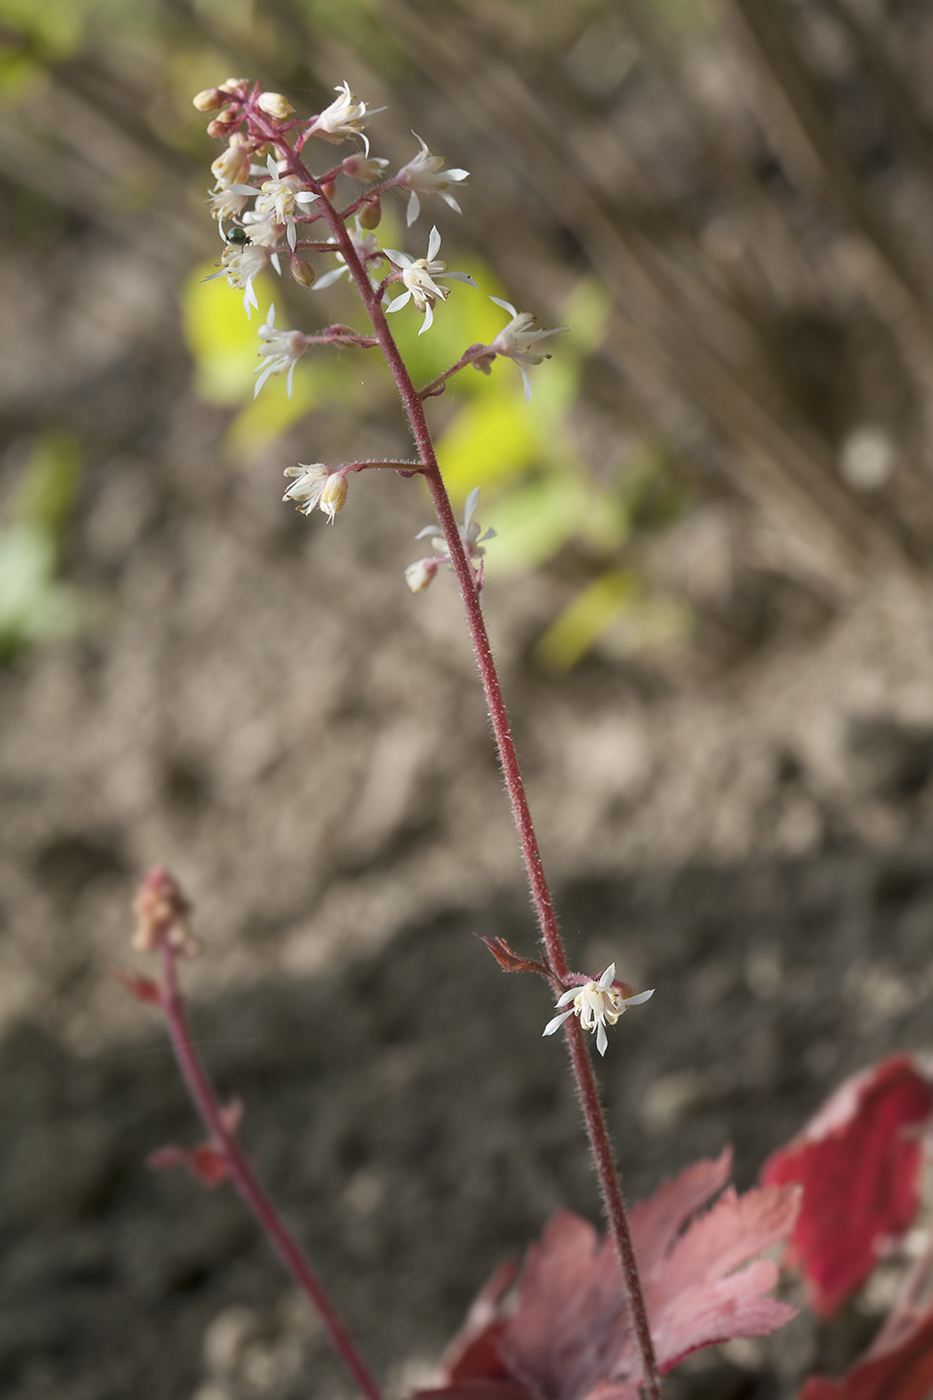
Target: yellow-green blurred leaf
{"x":223,"y":342}
{"x":266,"y":417}
{"x":591,"y":613}
{"x":46,"y":493}
{"x":585,"y":311}
{"x":534,"y":521}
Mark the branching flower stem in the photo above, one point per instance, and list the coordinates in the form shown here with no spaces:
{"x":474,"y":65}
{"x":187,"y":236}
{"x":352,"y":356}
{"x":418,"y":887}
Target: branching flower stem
{"x":412,"y":402}
{"x":241,"y":1174}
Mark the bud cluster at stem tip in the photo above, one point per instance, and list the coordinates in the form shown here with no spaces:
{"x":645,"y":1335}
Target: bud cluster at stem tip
{"x":162,"y":916}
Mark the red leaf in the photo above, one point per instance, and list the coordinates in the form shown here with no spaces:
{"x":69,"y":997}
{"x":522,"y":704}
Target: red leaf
{"x":474,"y":1351}
{"x":903,"y":1374}
{"x":858,"y":1162}
{"x":567,"y":1335}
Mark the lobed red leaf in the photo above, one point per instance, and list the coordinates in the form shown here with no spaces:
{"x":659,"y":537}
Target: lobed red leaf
{"x":567,"y":1335}
{"x":858,"y":1161}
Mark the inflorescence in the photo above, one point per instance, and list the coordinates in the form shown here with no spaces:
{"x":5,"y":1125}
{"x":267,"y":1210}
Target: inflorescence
{"x":278,"y":210}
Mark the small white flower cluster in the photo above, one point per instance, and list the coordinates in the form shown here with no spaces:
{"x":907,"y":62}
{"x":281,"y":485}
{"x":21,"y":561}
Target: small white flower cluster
{"x":422,"y":573}
{"x":266,"y":203}
{"x":598,"y":1004}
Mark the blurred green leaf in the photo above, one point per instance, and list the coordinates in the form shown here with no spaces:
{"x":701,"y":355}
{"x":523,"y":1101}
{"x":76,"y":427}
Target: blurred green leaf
{"x":34,"y":606}
{"x":491,"y":440}
{"x":534,"y":521}
{"x":591,"y":613}
{"x":52,"y":29}
{"x":46,"y":494}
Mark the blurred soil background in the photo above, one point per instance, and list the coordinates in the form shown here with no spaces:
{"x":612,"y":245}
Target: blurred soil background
{"x":711,"y":605}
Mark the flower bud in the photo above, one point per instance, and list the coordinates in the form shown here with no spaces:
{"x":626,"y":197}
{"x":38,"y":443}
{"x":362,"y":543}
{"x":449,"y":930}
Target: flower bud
{"x":209,"y":99}
{"x":364,"y":168}
{"x":276,"y":106}
{"x":327,"y":189}
{"x":421,"y":574}
{"x":303,"y":273}
{"x":371,"y":213}
{"x":236,"y":86}
{"x":220,"y":126}
{"x":333,"y":495}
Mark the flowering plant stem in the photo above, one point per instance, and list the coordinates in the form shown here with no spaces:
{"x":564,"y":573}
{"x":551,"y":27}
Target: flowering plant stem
{"x":242,"y":1176}
{"x":607,"y":1173}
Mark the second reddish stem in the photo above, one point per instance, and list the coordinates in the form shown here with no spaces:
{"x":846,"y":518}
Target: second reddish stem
{"x":242,"y":1177}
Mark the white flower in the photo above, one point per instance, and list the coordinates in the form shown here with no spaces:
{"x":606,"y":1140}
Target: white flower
{"x":424,"y":174}
{"x":227,"y":204}
{"x":343,"y":118}
{"x":516,"y":340}
{"x":283,"y":350}
{"x":316,"y":485}
{"x":418,"y":275}
{"x":242,"y":266}
{"x":422,"y":573}
{"x":277,"y":198}
{"x":266,"y":232}
{"x":597,"y":1004}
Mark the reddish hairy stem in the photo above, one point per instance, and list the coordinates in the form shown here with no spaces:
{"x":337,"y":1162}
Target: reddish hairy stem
{"x":606,"y":1170}
{"x":242,"y":1177}
{"x":468,"y":357}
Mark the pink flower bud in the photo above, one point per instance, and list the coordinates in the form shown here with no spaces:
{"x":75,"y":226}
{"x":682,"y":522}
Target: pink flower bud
{"x":221,"y":125}
{"x":421,"y":574}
